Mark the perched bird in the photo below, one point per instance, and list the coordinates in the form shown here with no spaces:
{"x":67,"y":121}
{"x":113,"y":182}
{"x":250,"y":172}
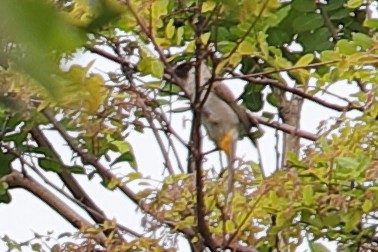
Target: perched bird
{"x":222,"y":117}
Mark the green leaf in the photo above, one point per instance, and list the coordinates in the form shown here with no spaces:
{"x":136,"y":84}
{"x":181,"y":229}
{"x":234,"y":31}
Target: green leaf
{"x":278,"y":36}
{"x":346,"y":47}
{"x":4,"y":194}
{"x":17,"y":138}
{"x":113,"y":183}
{"x":230,"y":226}
{"x":246,"y":48}
{"x":36,"y":247}
{"x":223,"y":34}
{"x":334,"y":4}
{"x":3,"y":188}
{"x":126,"y":157}
{"x":307,"y":22}
{"x":205,"y":38}
{"x":317,"y":247}
{"x":252,"y":97}
{"x":39,"y":28}
{"x":208,"y":6}
{"x":169,"y":89}
{"x":331,"y":219}
{"x":371,"y":23}
{"x":75,"y":169}
{"x":363,"y":40}
{"x":308,"y":195}
{"x":354,"y":3}
{"x":5,"y":160}
{"x":367,"y":205}
{"x":273,"y":99}
{"x":248,"y":64}
{"x":352,"y":222}
{"x":340,"y":14}
{"x":329,"y":55}
{"x":50,"y":165}
{"x":347,"y":162}
{"x":170,"y":29}
{"x":106,"y":12}
{"x":153,"y":85}
{"x":5,"y":198}
{"x":317,"y":40}
{"x":149,"y":65}
{"x":304,"y":5}
{"x":44,"y":28}
{"x":305,"y":60}
{"x":179,"y":35}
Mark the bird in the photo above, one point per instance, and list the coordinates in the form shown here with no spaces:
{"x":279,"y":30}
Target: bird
{"x":224,"y":120}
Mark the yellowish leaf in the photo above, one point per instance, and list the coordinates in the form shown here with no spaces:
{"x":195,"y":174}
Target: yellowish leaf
{"x":170,"y":30}
{"x":305,"y":60}
{"x":208,"y":6}
{"x":179,"y":35}
{"x":235,"y":59}
{"x":246,"y":48}
{"x":205,"y":38}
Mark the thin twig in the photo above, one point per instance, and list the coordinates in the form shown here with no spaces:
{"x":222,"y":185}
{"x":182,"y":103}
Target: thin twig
{"x":298,"y":92}
{"x":328,"y":23}
{"x":248,"y":216}
{"x":239,"y":41}
{"x":159,"y":140}
{"x":288,"y":69}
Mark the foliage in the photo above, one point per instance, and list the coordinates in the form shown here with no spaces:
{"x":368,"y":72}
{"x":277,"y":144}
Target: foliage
{"x":284,"y":52}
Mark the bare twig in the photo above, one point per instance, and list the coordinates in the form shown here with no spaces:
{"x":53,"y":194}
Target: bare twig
{"x":159,"y":140}
{"x":328,"y":23}
{"x":298,"y":92}
{"x":111,"y":57}
{"x":250,"y":212}
{"x":288,"y":69}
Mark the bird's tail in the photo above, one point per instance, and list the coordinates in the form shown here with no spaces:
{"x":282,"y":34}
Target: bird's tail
{"x":228,"y":145}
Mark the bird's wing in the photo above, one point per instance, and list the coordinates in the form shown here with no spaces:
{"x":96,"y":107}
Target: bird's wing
{"x":224,"y":93}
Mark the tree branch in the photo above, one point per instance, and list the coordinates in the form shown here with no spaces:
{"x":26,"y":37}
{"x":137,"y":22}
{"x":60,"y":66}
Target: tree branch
{"x":283,"y":127}
{"x":16,"y":180}
{"x":69,"y":180}
{"x":103,"y":171}
{"x":298,"y":92}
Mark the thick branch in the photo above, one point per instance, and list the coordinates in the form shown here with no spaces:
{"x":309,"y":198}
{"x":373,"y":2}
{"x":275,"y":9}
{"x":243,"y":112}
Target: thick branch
{"x":17,"y":180}
{"x":87,"y":157}
{"x":290,"y":113}
{"x":110,"y":56}
{"x":69,"y":180}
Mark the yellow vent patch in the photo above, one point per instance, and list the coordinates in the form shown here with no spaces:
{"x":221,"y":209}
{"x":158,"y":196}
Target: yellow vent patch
{"x":226,"y":144}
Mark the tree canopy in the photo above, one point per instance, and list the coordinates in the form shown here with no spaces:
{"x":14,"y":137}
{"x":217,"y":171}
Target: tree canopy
{"x":285,"y":53}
